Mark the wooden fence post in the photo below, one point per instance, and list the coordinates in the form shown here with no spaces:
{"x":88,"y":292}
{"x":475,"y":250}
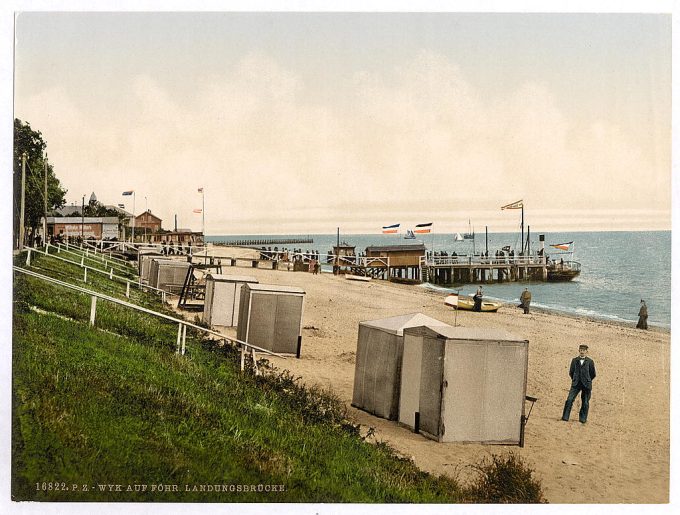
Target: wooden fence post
{"x":257,"y":370}
{"x":93,"y":310}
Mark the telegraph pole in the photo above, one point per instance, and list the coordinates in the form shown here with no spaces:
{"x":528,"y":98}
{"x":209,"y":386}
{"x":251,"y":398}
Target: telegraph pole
{"x":23,"y":202}
{"x":133,"y":218}
{"x":45,"y":218}
{"x":82,"y":220}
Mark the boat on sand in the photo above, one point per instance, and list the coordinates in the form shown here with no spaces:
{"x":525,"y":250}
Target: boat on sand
{"x":352,"y":277}
{"x":467,"y":303}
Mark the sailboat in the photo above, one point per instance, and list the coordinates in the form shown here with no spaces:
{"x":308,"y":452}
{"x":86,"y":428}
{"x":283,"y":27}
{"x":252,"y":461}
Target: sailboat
{"x":458,"y":237}
{"x":409,"y":235}
{"x":470,"y":235}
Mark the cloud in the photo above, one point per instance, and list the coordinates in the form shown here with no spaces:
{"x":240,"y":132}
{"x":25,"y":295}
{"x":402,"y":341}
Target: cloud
{"x":400,"y":142}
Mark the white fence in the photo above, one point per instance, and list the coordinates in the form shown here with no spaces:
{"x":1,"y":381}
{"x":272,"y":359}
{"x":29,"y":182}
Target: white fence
{"x":181,"y":327}
{"x":109,"y":273}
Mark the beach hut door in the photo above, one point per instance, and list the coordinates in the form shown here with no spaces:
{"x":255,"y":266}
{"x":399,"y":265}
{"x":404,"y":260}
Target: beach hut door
{"x":431,"y":385}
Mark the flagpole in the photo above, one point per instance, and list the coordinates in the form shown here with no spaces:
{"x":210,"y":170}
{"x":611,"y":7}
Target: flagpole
{"x":203,"y":214}
{"x":522,"y":248}
{"x":433,"y":239}
{"x":134,"y":195}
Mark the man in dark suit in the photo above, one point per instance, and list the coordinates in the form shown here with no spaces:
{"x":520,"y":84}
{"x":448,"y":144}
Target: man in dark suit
{"x":582,"y":373}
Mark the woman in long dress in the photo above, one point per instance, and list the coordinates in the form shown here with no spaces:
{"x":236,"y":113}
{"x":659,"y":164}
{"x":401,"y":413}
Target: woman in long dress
{"x":642,"y":321}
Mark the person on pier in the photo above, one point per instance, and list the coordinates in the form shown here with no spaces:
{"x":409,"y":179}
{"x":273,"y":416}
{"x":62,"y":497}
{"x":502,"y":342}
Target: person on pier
{"x":642,"y":321}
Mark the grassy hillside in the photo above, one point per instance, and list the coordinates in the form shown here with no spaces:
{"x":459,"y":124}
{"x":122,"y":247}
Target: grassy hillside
{"x":111,"y":412}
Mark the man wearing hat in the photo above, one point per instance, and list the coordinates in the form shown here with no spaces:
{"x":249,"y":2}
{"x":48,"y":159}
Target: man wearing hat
{"x":582,"y":373}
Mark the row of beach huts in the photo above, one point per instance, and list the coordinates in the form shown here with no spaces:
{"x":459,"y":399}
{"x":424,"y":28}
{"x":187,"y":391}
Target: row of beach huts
{"x":451,"y":384}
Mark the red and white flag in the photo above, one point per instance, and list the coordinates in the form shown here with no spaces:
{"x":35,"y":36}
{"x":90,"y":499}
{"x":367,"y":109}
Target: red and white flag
{"x":562,"y":246}
{"x":423,"y":228}
{"x":198,"y":210}
{"x":390,"y":229}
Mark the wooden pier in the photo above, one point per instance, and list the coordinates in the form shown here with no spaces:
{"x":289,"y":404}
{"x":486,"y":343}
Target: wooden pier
{"x":479,"y":269}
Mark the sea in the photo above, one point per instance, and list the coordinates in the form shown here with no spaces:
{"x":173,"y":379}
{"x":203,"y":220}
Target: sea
{"x":618,"y":269}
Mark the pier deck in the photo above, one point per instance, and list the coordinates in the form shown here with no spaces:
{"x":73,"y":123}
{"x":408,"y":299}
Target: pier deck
{"x":478,"y":269}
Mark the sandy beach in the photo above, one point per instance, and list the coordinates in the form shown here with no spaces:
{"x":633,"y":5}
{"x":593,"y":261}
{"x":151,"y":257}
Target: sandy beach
{"x":620,"y":456}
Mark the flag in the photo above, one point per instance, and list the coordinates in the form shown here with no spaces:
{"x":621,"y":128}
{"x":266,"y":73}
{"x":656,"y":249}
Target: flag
{"x":423,"y":228}
{"x":562,"y":246}
{"x":122,"y":206}
{"x":515,"y":205}
{"x":200,"y":190}
{"x":390,"y":229}
{"x":198,"y":210}
{"x":128,"y":192}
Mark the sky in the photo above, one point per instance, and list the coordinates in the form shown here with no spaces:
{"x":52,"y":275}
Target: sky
{"x":302,"y":122}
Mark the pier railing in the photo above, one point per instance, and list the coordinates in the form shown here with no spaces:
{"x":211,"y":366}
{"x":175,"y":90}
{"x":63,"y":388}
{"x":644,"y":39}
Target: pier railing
{"x":467,"y":260}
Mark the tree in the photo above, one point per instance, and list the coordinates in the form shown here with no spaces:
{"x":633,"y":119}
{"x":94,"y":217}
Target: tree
{"x":30,"y":141}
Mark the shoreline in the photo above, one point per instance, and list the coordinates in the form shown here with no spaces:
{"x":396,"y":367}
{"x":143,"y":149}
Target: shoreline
{"x":249,"y":252}
{"x":557,"y":312}
{"x":590,"y":318}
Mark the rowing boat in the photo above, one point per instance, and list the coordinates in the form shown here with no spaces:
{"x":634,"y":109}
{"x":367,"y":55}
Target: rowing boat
{"x":467,"y":303}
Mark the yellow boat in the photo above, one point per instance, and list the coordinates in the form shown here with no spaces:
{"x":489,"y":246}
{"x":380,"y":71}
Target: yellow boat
{"x":467,"y":303}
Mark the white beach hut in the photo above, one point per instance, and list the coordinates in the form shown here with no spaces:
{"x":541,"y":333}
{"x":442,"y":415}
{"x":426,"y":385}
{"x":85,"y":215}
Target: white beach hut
{"x":377,"y":373}
{"x":223,"y":297}
{"x":168,"y":274}
{"x":464,"y":384}
{"x":144,"y":262}
{"x":270,"y":316}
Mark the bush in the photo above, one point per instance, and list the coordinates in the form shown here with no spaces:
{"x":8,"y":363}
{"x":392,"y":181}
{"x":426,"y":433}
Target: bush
{"x":505,"y":480}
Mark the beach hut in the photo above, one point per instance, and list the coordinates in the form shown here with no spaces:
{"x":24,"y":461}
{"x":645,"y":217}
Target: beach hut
{"x":462,"y":384}
{"x":222,"y":298}
{"x":377,"y":372}
{"x":270,"y":316}
{"x":168,"y":274}
{"x":144,"y":262}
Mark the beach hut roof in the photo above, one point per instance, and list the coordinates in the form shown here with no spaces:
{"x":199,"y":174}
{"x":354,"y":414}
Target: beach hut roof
{"x":396,"y":325}
{"x":474,"y":333}
{"x":232,"y":278}
{"x":274,"y":288}
{"x":395,"y":248}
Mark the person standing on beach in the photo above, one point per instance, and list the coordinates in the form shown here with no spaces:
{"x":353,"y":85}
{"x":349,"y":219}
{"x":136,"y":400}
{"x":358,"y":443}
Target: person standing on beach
{"x":525,"y":300}
{"x":642,"y":321}
{"x":478,"y":299}
{"x":582,"y":373}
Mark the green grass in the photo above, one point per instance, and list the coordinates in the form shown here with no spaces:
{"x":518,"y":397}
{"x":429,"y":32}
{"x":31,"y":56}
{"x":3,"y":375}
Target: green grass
{"x":114,"y":405}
